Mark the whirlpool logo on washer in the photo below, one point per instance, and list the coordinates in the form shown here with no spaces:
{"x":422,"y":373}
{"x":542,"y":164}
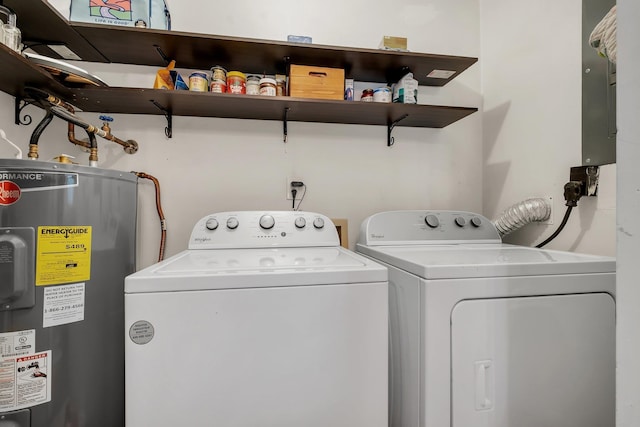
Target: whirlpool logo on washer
{"x":377,"y":236}
{"x":9,"y":193}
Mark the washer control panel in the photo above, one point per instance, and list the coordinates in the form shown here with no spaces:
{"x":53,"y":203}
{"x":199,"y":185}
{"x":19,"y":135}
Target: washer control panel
{"x":259,"y":229}
{"x":426,"y":227}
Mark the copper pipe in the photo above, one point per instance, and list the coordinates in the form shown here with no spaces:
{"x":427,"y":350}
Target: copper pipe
{"x":163,"y":223}
{"x":129,"y":146}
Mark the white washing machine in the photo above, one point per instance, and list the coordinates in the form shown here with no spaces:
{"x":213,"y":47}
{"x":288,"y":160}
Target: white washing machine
{"x":264,"y":321}
{"x":485,"y":334}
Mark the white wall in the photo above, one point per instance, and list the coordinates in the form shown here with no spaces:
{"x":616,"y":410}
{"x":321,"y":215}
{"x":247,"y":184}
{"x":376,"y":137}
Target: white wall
{"x":628,"y":231}
{"x":213,"y":165}
{"x":531,"y":85}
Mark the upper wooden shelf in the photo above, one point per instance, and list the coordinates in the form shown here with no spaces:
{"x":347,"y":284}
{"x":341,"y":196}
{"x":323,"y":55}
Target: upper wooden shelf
{"x":42,"y":25}
{"x":201,"y":52}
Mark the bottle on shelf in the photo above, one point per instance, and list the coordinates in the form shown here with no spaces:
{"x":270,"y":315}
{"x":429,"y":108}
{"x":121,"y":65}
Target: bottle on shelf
{"x":11,"y":36}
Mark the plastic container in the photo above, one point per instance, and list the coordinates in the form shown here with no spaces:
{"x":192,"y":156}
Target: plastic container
{"x":382,"y":94}
{"x":268,"y":86}
{"x":236,"y":82}
{"x":10,"y":34}
{"x":253,"y":85}
{"x":199,"y":82}
{"x":367,"y":95}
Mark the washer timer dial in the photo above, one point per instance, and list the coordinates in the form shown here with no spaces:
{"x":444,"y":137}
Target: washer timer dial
{"x":267,"y":222}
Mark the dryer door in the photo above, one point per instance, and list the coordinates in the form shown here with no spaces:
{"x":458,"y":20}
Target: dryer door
{"x":534,"y":362}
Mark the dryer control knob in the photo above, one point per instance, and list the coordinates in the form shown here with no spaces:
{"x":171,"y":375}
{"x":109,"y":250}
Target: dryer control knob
{"x":232,"y":223}
{"x":432,"y":221}
{"x":300,"y":222}
{"x":211,"y":224}
{"x":318,"y":223}
{"x":267,"y":222}
{"x":460,"y":221}
{"x":476,"y":222}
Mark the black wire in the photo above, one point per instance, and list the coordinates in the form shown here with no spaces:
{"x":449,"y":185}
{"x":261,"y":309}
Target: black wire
{"x":304,"y":193}
{"x":559,"y":229}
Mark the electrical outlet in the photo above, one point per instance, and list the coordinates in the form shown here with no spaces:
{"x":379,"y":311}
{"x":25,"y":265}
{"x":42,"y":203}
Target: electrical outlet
{"x":549,"y":200}
{"x":288,"y":188}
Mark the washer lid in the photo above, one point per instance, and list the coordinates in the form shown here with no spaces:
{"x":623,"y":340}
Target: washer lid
{"x":251,"y":268}
{"x":486,"y":260}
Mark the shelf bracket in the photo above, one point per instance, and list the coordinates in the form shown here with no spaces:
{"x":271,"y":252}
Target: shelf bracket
{"x":164,"y":57}
{"x":20,"y":104}
{"x":168,"y":131}
{"x":390,"y":126}
{"x":284,"y":123}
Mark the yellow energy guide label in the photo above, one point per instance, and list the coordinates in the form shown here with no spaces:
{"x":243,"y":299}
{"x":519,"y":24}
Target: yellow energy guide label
{"x":64,"y":255}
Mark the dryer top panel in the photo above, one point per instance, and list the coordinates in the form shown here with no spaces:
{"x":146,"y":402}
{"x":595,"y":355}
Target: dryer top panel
{"x":414,"y":227}
{"x":486,"y":260}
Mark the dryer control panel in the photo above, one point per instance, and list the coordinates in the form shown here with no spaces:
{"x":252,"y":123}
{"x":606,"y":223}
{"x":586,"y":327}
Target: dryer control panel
{"x":426,"y":227}
{"x":262,"y":229}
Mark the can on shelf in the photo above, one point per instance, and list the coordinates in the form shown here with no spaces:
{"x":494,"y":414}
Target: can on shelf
{"x":267,"y":86}
{"x":367,"y":95}
{"x":218,"y":86}
{"x":218,"y":73}
{"x":199,"y":82}
{"x":236,"y":82}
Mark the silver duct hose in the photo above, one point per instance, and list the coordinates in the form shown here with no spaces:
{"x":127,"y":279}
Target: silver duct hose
{"x":521,"y":214}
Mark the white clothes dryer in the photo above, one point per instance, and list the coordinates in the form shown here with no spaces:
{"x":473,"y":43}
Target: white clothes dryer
{"x":263,"y":321}
{"x":486,"y":334}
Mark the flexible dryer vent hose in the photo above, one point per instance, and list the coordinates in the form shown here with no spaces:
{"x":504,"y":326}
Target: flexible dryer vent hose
{"x":521,"y":214}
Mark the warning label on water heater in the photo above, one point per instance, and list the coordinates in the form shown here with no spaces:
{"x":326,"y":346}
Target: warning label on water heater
{"x":25,"y":381}
{"x":64,"y":255}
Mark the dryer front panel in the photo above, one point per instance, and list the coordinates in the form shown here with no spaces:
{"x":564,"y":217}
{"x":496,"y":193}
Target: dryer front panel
{"x":534,"y":361}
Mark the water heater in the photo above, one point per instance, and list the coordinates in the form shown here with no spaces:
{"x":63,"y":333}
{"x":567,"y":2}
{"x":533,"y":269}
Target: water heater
{"x":67,"y":240}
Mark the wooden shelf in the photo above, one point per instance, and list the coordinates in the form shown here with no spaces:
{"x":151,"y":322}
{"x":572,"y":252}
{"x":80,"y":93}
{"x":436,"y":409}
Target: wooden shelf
{"x":42,"y":25}
{"x":206,"y":104}
{"x":17,"y":72}
{"x":201,"y":52}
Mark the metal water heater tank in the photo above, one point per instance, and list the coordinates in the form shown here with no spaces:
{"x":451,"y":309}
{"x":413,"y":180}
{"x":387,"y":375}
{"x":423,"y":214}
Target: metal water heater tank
{"x":67,"y":240}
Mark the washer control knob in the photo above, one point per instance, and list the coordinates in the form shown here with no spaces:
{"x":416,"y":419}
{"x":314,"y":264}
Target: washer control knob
{"x":460,"y":221}
{"x":232,"y":223}
{"x":318,"y":223}
{"x":267,"y":222}
{"x":211,"y":224}
{"x":432,"y":221}
{"x":476,"y":222}
{"x":300,"y":222}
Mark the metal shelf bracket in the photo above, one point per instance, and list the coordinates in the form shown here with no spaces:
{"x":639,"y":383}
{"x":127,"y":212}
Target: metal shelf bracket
{"x":20,"y":104}
{"x":164,"y":57}
{"x":168,"y":131}
{"x":390,"y":126}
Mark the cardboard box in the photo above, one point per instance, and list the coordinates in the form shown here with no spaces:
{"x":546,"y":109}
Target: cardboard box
{"x":316,"y":82}
{"x":393,"y":43}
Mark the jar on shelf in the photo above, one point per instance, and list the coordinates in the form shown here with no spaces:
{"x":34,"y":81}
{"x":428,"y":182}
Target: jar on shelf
{"x":218,"y":73}
{"x":236,"y":82}
{"x":253,"y":85}
{"x":281,"y":85}
{"x":267,"y":86}
{"x":367,"y":95}
{"x":382,"y":94}
{"x":199,"y":82}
